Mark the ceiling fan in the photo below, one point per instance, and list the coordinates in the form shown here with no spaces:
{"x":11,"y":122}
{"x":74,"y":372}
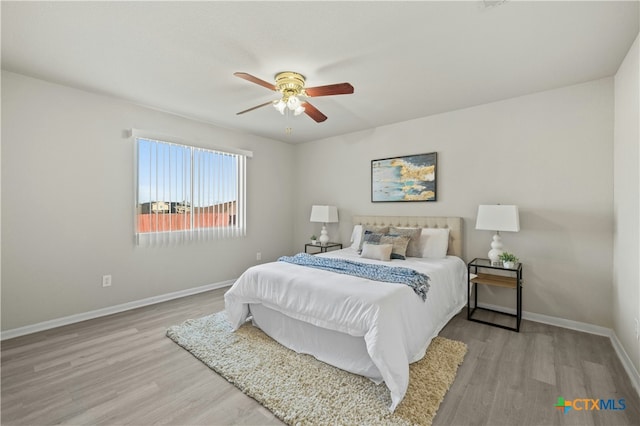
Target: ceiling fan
{"x":291,"y":86}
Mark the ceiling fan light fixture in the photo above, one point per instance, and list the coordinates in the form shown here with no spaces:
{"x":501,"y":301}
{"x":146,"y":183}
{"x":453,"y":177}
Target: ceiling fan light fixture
{"x":280,"y":106}
{"x":290,"y":85}
{"x":293,"y":103}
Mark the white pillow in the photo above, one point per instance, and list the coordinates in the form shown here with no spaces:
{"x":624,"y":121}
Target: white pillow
{"x":356,"y":237}
{"x":377,"y":251}
{"x":434,"y":242}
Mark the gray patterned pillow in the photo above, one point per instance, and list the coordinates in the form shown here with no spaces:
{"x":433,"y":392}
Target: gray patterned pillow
{"x":371,"y":238}
{"x":372,"y":230}
{"x":414,"y":249}
{"x":400,"y":243}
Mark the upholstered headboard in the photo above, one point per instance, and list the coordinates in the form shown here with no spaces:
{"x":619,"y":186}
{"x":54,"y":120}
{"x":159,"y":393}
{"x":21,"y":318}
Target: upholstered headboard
{"x":453,"y":223}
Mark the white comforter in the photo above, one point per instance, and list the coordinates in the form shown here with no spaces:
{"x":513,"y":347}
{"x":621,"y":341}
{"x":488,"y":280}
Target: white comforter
{"x":396,"y":324}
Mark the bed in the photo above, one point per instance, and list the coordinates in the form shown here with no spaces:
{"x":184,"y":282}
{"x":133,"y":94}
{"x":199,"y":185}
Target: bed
{"x":371,"y":328}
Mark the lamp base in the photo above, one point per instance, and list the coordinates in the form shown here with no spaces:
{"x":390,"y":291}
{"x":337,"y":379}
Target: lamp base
{"x":324,"y":236}
{"x":496,"y":250}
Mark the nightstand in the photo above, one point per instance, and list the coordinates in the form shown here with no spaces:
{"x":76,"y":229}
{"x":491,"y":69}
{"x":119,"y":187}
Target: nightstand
{"x":482,"y":272}
{"x":322,"y":248}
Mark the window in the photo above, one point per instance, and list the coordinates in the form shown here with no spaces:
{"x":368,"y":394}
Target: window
{"x":186,"y":193}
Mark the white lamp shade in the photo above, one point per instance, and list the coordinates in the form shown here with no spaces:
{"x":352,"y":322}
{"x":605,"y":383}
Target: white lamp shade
{"x":324,"y":214}
{"x":498,"y":218}
{"x":293,"y":103}
{"x":280,"y":106}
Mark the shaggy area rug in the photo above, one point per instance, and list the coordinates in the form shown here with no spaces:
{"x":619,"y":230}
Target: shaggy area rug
{"x":300,"y":390}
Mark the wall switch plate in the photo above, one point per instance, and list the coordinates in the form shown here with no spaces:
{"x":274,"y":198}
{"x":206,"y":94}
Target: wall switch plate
{"x":258,"y":256}
{"x":637,"y":328}
{"x":106,"y":281}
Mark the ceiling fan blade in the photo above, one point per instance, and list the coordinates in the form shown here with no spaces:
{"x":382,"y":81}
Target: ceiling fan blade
{"x":331,"y":89}
{"x":313,"y":112}
{"x":255,"y":80}
{"x":255,"y":107}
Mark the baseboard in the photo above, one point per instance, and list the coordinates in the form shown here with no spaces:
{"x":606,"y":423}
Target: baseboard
{"x":46,"y":325}
{"x":631,"y":370}
{"x":626,"y":362}
{"x":558,"y":322}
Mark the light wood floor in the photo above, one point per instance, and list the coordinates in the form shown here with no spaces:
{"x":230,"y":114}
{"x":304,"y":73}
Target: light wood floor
{"x":121,"y":369}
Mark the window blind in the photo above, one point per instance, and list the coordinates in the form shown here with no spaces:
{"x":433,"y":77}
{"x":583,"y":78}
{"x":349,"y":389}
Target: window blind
{"x":187,"y":193}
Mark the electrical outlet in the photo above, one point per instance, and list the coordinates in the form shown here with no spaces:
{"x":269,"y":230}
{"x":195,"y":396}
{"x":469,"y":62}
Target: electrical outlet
{"x":106,"y":281}
{"x":637,"y":329}
{"x":258,"y":256}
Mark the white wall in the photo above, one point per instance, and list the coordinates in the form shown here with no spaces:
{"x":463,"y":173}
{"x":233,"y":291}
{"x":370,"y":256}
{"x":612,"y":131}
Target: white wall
{"x":626,"y":279}
{"x":67,"y":205}
{"x":550,"y":153}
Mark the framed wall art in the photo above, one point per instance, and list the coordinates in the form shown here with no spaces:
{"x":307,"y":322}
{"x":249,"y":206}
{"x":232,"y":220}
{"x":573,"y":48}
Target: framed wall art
{"x":408,"y":178}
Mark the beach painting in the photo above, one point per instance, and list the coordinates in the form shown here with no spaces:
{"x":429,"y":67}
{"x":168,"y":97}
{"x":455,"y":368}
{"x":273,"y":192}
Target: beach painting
{"x":408,"y":178}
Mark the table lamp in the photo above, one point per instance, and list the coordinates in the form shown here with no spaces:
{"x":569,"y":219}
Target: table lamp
{"x":324,"y":214}
{"x":497,"y":218}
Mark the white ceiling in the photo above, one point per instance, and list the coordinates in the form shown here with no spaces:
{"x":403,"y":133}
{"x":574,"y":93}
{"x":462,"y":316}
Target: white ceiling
{"x":405,"y":59}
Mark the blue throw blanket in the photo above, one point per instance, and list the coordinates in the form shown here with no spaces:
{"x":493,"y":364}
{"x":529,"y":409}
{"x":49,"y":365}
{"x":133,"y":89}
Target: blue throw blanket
{"x":417,"y":281}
